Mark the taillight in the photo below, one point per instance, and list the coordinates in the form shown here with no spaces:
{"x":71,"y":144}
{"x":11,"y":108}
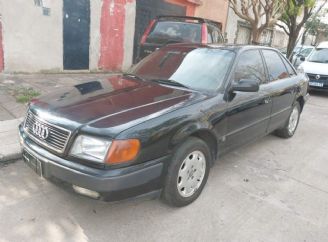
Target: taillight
{"x":204,"y":34}
{"x":145,"y":35}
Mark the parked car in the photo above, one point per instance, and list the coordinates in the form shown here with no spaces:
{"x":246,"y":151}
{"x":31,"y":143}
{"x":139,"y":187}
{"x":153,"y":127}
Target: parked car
{"x":304,"y":51}
{"x":316,"y":67}
{"x":165,"y":30}
{"x":158,"y":129}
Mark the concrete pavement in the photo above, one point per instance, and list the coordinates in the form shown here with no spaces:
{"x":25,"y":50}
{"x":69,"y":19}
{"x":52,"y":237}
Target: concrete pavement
{"x":9,"y":145}
{"x":272,"y":190}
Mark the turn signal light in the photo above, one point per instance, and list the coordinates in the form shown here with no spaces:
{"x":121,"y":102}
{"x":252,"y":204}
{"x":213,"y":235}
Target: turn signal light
{"x":123,"y":151}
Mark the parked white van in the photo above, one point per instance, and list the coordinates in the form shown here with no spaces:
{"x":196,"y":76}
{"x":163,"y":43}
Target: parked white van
{"x":316,"y":67}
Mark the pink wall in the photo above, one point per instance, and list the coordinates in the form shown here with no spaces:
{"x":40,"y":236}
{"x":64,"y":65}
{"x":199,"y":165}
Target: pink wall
{"x":216,"y":10}
{"x":112,"y":25}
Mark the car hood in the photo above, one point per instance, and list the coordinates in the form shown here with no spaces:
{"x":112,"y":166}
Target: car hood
{"x":315,"y":67}
{"x":109,"y":106}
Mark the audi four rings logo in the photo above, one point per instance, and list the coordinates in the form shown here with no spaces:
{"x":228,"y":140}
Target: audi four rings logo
{"x":40,"y":130}
{"x":317,"y":77}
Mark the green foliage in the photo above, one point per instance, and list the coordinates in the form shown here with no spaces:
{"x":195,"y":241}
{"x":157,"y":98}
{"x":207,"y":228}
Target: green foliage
{"x":295,"y":8}
{"x":24,"y":95}
{"x":314,"y":25}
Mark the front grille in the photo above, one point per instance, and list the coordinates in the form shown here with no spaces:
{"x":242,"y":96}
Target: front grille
{"x":313,"y":77}
{"x":51,"y":136}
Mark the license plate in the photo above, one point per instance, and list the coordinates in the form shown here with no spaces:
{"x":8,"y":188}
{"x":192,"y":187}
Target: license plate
{"x":32,"y":162}
{"x":316,"y":84}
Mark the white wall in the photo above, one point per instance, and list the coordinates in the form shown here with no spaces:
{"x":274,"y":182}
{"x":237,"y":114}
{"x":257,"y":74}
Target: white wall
{"x":129,"y":28}
{"x":94,"y":51}
{"x":32,"y":42}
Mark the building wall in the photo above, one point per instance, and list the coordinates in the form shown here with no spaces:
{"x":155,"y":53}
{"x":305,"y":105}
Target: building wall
{"x":1,"y":47}
{"x":232,"y":26}
{"x":215,"y":10}
{"x":238,"y":32}
{"x":32,"y":41}
{"x":94,"y":50}
{"x":280,"y":39}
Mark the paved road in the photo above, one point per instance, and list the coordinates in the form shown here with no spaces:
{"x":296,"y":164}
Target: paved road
{"x":273,"y":190}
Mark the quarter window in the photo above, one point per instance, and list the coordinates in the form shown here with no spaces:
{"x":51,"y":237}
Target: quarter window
{"x":276,"y":67}
{"x":250,"y":66}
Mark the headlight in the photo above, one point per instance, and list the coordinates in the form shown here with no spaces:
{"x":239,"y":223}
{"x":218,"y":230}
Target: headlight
{"x":90,"y":148}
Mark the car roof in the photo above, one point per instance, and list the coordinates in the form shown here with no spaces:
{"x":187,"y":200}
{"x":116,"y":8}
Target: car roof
{"x":234,"y":47}
{"x":180,"y":18}
{"x":323,"y":45}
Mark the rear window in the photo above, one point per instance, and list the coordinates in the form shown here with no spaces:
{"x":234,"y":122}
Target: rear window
{"x":171,"y":31}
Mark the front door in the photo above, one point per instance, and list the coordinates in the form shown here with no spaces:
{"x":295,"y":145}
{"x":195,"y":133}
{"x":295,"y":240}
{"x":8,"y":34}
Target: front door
{"x":76,"y":36}
{"x":248,"y":113}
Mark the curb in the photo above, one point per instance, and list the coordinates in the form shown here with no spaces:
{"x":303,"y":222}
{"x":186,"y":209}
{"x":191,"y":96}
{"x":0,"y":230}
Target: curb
{"x":10,"y":157}
{"x":10,"y":149}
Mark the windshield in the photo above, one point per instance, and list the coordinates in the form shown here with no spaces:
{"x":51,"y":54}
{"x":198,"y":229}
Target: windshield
{"x":175,"y":32}
{"x":319,"y":55}
{"x":202,"y":69}
{"x":305,"y":52}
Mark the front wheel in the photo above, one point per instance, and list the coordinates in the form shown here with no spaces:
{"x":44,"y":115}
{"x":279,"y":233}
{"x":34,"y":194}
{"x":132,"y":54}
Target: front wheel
{"x":187,"y":173}
{"x":291,"y":125}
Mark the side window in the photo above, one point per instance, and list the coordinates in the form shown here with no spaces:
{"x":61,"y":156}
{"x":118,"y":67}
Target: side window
{"x":250,"y":66}
{"x":276,"y":67}
{"x":289,"y":67}
{"x":215,"y":34}
{"x":209,"y":34}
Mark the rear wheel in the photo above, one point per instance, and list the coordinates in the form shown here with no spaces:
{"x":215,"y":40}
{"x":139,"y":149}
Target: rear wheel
{"x":291,"y":125}
{"x":188,"y":173}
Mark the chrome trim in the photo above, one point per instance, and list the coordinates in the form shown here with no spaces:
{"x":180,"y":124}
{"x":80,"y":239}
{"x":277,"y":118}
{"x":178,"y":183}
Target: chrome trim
{"x":31,"y":136}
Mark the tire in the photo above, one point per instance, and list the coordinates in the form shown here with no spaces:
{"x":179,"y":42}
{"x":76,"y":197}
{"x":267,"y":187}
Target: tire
{"x":291,"y":125}
{"x":187,"y":173}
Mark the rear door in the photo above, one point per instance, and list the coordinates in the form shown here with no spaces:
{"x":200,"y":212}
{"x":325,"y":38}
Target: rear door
{"x":282,"y":84}
{"x":248,"y":113}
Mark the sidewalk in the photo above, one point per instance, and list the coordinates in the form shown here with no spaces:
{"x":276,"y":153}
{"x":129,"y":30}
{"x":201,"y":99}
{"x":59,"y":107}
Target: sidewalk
{"x":12,"y":111}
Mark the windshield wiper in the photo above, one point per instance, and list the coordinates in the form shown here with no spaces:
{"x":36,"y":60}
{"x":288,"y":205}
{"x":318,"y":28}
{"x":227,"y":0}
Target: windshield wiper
{"x":170,"y":82}
{"x":134,"y":76}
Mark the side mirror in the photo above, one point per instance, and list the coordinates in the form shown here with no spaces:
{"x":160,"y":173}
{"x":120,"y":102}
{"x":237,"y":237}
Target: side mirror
{"x":302,"y":58}
{"x":246,"y":85}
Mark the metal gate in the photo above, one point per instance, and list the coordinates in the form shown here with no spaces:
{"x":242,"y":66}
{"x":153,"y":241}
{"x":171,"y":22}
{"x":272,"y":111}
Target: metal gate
{"x":243,"y":34}
{"x":146,"y":10}
{"x":76,"y":21}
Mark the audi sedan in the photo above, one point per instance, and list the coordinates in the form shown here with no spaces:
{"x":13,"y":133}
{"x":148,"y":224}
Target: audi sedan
{"x":159,"y":128}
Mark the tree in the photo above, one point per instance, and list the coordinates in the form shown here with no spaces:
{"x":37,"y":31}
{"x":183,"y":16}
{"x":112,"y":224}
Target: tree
{"x":315,"y":25}
{"x":260,"y":14}
{"x":296,"y":13}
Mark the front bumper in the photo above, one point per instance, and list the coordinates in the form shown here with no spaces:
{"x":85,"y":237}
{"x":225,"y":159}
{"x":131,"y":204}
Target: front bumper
{"x":110,"y":184}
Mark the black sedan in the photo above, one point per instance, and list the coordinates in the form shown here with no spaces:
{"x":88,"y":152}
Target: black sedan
{"x":158,"y":129}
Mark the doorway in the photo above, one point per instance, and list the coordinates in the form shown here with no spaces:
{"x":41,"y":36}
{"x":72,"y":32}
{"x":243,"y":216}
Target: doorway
{"x":76,"y":34}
